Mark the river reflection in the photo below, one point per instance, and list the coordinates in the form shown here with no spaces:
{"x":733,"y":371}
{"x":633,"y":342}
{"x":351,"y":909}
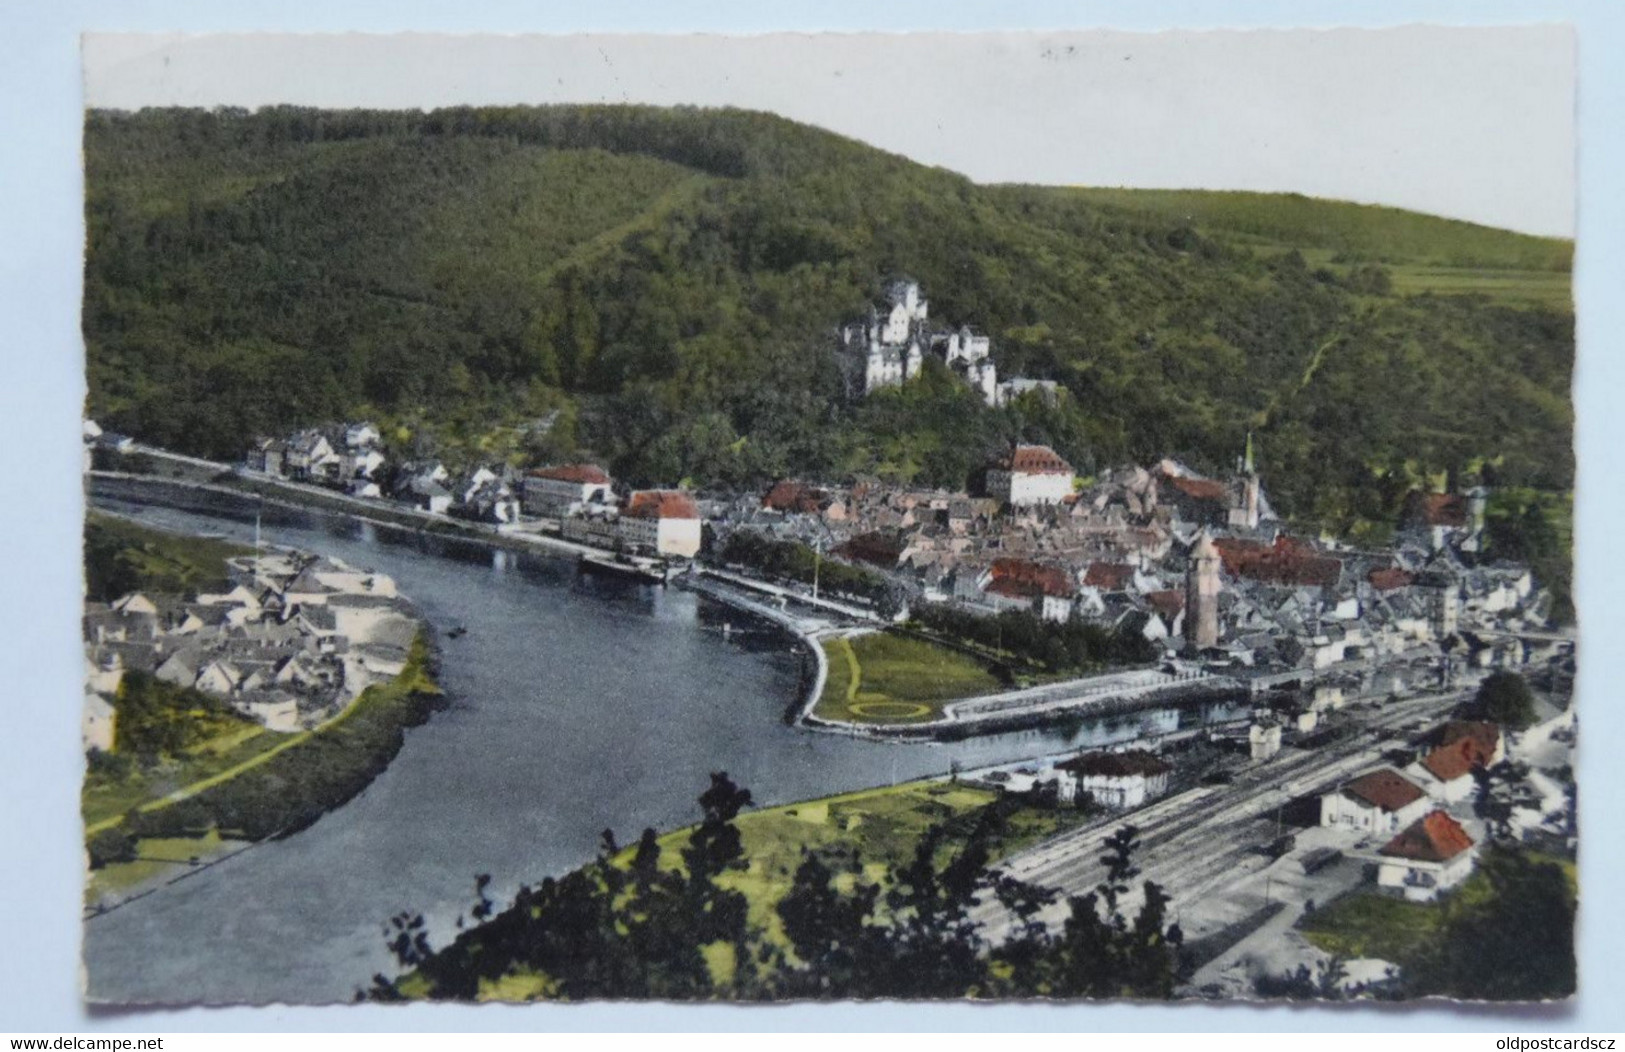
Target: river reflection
{"x":580,"y":702}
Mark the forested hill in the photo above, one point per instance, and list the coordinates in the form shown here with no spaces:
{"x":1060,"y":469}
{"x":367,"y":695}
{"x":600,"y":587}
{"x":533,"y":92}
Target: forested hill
{"x":663,"y":285}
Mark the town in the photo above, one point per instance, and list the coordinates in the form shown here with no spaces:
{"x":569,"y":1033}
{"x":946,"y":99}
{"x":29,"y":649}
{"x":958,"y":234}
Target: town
{"x":1355,"y":674}
{"x":294,"y":640}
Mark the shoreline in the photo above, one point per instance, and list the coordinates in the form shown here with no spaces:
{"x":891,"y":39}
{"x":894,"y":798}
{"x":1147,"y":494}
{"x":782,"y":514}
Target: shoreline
{"x":345,"y":753}
{"x":799,"y":712}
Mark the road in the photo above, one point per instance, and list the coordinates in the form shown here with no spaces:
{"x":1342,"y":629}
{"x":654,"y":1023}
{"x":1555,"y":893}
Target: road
{"x":1197,"y":840}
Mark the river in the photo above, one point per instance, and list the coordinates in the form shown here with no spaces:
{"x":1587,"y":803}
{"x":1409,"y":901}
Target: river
{"x":579,"y":703}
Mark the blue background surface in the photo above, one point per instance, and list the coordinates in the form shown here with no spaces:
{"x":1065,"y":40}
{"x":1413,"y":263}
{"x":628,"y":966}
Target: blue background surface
{"x":40,"y":259}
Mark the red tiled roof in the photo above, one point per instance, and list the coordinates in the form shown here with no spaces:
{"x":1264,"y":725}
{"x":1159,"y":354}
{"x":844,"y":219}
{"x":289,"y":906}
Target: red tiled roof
{"x":1437,"y":509}
{"x":1167,"y":603}
{"x":1113,"y":577}
{"x":1198,"y":489}
{"x":1435,"y":837}
{"x":1036,"y":460}
{"x":661,"y":504}
{"x":1117,"y":764}
{"x":583,"y":473}
{"x":880,"y":549}
{"x":1288,"y":561}
{"x":1387,"y":789}
{"x":1019,"y":578}
{"x":789,"y":495}
{"x":1449,"y":762}
{"x":1389,"y":578}
{"x":1485,"y":736}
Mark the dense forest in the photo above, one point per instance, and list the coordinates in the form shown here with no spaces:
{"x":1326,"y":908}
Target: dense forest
{"x":659,"y":289}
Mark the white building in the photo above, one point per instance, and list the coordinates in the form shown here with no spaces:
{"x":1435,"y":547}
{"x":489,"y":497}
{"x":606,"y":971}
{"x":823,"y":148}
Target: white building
{"x":969,"y":355}
{"x":565,"y":489}
{"x":1381,"y":801}
{"x":661,"y":521}
{"x":1119,"y":780}
{"x":1264,"y":739}
{"x":1460,"y":747}
{"x":1432,"y":855}
{"x":98,"y":723}
{"x":1030,"y":475}
{"x":891,"y":345}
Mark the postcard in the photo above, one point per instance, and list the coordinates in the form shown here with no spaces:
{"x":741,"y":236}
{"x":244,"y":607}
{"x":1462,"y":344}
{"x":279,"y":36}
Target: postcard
{"x":992,"y":516}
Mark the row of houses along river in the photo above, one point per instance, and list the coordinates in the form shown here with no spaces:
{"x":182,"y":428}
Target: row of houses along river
{"x":578,"y":703}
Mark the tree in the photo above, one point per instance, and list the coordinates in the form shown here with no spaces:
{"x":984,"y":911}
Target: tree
{"x":1502,"y":791}
{"x":1514,"y":941}
{"x":1505,"y":698}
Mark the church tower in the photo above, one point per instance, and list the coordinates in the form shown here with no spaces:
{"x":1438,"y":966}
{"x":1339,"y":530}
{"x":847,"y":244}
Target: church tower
{"x":1244,"y":513}
{"x":1202,"y":594}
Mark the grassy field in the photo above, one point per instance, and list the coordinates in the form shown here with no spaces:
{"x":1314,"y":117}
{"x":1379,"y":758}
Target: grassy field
{"x":887,"y":678}
{"x":106,"y":799}
{"x":1372,"y":233}
{"x":158,"y":857}
{"x":122,"y":556}
{"x":1423,"y":253}
{"x":1366,"y":923}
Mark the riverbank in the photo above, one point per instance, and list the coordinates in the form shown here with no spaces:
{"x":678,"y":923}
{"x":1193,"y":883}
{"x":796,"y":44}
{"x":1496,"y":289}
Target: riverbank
{"x":272,"y":794}
{"x":298,"y":497}
{"x":582,"y":701}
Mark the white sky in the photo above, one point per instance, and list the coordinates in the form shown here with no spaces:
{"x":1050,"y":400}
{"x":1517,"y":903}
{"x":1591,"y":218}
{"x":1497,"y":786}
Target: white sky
{"x":1475,"y":123}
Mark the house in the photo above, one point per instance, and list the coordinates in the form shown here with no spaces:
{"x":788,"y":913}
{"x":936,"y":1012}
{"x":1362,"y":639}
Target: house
{"x":1458,"y":749}
{"x":1432,"y":855}
{"x":1488,"y":742}
{"x":425,"y":493}
{"x":116,"y":442}
{"x":274,"y":709}
{"x":1446,"y":771}
{"x":662,"y":521}
{"x":1381,"y":801}
{"x":98,"y":723}
{"x":1168,"y":605}
{"x":92,"y":432}
{"x":1030,"y":475}
{"x":135,"y":603}
{"x":1118,"y":780}
{"x":565,"y":489}
{"x":1046,"y":590}
{"x":267,"y":456}
{"x":361,"y":436}
{"x":1109,"y":577}
{"x":179,"y":668}
{"x":493,"y":502}
{"x":364,"y":464}
{"x":1264,"y":739}
{"x":1194,"y":500}
{"x":218,"y":677}
{"x":882,"y":548}
{"x":309,"y":455}
{"x":599,"y":528}
{"x":1438,"y":520}
{"x":1288,"y":562}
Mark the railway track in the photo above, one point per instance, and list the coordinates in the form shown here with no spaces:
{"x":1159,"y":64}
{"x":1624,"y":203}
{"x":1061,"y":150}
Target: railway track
{"x":1192,"y":842}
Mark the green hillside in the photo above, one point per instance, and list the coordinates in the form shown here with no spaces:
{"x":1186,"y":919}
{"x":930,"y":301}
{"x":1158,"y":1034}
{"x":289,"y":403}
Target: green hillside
{"x":1422,"y":252}
{"x":669,"y":280}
